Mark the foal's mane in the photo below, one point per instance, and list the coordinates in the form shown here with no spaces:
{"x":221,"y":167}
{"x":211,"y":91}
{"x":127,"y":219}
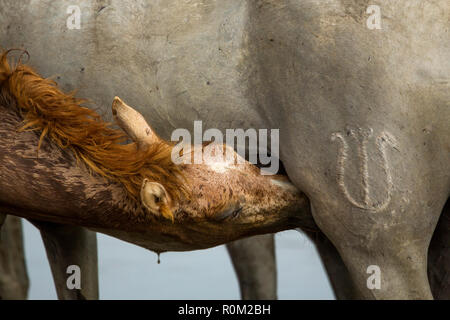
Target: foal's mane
{"x":61,"y":117}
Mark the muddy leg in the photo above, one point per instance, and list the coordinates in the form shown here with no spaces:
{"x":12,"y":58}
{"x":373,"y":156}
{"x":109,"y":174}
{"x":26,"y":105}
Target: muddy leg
{"x":14,"y":282}
{"x":67,"y":246}
{"x":254,"y":262}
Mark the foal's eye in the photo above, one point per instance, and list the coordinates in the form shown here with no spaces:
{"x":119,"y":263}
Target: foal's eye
{"x":236,"y":212}
{"x":157,"y":199}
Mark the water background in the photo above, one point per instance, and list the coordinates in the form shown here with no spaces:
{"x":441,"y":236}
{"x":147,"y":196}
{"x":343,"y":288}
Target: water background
{"x":130,"y":272}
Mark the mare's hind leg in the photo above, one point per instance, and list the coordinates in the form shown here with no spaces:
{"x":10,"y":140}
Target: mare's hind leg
{"x":71,"y":245}
{"x":14,"y":282}
{"x":254,"y":262}
{"x":385,"y":249}
{"x":438,"y":262}
{"x":379,"y":204}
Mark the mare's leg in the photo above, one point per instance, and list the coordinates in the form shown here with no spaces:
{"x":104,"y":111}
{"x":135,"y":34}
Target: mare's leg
{"x":67,"y":246}
{"x":337,"y":272}
{"x":14,"y":282}
{"x":254,"y":262}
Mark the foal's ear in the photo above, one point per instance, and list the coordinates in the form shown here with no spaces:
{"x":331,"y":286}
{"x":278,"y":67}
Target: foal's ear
{"x":155,"y":198}
{"x":133,"y":123}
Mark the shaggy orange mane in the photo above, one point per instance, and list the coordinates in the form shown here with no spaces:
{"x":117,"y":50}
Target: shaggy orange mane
{"x":63,"y":119}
